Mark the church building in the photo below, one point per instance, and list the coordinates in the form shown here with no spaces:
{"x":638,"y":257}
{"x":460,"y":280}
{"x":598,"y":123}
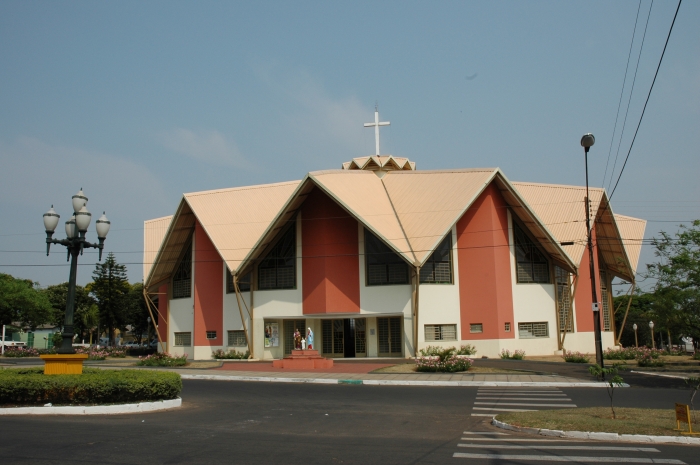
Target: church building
{"x":380,"y":259}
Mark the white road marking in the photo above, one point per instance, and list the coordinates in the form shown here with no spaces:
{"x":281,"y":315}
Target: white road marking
{"x":524,"y":398}
{"x":525,"y":404}
{"x":489,"y":433}
{"x":539,"y":391}
{"x":586,"y":447}
{"x":573,"y":458}
{"x":483,"y":414}
{"x":521,"y":440}
{"x":505,"y":409}
{"x":518,"y":394}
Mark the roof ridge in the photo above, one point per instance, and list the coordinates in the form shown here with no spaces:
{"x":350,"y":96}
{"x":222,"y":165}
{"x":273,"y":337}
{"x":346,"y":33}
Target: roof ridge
{"x":444,"y":171}
{"x":567,"y":186}
{"x":240,"y":188}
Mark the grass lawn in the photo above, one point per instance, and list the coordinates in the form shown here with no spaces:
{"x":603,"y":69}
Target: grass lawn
{"x":599,"y":419}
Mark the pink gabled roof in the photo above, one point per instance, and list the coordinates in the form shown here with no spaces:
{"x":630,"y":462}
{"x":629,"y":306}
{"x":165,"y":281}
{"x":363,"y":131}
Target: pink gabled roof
{"x":153,"y":234}
{"x":632,"y":232}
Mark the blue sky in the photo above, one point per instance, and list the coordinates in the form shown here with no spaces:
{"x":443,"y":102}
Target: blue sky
{"x":138,"y":102}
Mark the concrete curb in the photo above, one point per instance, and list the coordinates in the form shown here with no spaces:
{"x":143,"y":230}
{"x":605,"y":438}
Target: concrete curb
{"x":659,"y":374}
{"x":141,"y":407}
{"x":615,"y":437}
{"x":391,"y":382}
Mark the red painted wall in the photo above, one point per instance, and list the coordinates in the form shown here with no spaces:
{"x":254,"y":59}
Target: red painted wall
{"x":208,"y":290}
{"x":162,"y":317}
{"x":485,"y":288}
{"x":330,"y":259}
{"x":583,"y":297}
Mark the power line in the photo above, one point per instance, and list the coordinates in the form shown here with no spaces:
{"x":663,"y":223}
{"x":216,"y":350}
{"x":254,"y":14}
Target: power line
{"x":647,"y":100}
{"x":619,"y":103}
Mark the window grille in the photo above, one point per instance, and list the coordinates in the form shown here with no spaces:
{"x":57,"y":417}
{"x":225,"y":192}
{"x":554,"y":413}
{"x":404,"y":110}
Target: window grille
{"x":438,"y":268}
{"x":389,"y":336}
{"x":211,"y":334}
{"x":243,"y":282}
{"x":278,"y":269}
{"x":476,"y":328}
{"x":360,"y":336}
{"x":183,"y":339}
{"x":564,"y":310}
{"x":507,"y":327}
{"x":531,"y":264}
{"x":440,"y":332}
{"x":605,"y":300}
{"x":383,"y":265}
{"x":533,"y":330}
{"x":237,"y":339}
{"x":182,"y":280}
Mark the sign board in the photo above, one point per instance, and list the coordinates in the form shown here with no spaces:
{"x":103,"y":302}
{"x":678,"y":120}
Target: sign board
{"x":682,"y":413}
{"x":272,"y":335}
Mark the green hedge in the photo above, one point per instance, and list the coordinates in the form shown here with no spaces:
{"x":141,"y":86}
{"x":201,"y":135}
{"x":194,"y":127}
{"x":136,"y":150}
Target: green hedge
{"x":29,"y":386}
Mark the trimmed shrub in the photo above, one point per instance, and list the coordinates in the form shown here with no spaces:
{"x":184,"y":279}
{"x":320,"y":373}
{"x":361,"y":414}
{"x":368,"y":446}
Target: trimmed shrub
{"x":630,"y":353}
{"x":231,"y":354}
{"x":29,"y":386}
{"x":162,"y":359}
{"x":516,"y":355}
{"x":466,"y":350}
{"x":675,"y":351}
{"x":431,"y":350}
{"x":647,"y":360}
{"x":442,"y":360}
{"x":576,"y":357}
{"x":17,"y":352}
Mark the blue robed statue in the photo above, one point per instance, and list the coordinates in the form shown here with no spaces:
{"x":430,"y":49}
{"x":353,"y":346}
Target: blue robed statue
{"x":310,"y":339}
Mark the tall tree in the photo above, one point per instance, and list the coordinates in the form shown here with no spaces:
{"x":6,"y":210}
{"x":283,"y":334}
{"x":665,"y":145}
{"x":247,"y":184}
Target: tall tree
{"x":137,"y":312}
{"x":58,"y":295}
{"x":677,"y":275}
{"x":110,"y":288}
{"x":22,"y":302}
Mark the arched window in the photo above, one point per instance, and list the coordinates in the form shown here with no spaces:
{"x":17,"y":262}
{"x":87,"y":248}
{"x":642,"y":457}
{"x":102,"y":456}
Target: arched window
{"x":182,"y":280}
{"x":278,"y":269}
{"x":531,"y":264}
{"x":438,"y":268}
{"x":383,"y":265}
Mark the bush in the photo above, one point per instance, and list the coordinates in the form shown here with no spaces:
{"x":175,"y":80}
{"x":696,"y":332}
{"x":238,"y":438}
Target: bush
{"x":696,"y":356}
{"x":17,"y":352}
{"x":630,"y":353}
{"x":516,"y":355}
{"x":437,"y":359}
{"x":29,"y":386}
{"x":162,"y":359}
{"x":466,"y":350}
{"x":231,"y":354}
{"x":576,"y":357}
{"x":648,"y":360}
{"x":676,"y":352}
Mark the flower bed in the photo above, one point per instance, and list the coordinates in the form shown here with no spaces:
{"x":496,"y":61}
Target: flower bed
{"x":648,"y":360}
{"x":17,"y":352}
{"x":230,"y":355}
{"x":29,"y":386}
{"x":516,"y":355}
{"x":446,"y":360}
{"x":576,"y":357}
{"x":162,"y":359}
{"x":630,"y":353}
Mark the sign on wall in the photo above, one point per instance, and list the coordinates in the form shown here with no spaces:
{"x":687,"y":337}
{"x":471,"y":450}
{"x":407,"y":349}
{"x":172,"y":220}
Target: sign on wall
{"x":272,"y":335}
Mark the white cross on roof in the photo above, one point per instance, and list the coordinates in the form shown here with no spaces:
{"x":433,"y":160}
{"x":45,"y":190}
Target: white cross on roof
{"x":376,"y":125}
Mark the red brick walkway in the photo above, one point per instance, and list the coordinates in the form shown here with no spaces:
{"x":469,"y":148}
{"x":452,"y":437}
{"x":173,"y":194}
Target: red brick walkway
{"x":337,"y":367}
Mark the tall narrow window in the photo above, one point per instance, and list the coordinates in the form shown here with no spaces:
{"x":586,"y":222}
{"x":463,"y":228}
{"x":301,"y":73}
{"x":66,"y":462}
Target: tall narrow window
{"x":531,"y":264}
{"x":383,"y":265}
{"x":564,"y":312}
{"x":182,"y":280}
{"x":278,"y":268}
{"x":605,"y":300}
{"x":243,"y":282}
{"x":438,"y":268}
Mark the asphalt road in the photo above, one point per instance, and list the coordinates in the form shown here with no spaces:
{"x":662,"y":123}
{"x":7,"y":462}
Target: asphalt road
{"x":238,"y":422}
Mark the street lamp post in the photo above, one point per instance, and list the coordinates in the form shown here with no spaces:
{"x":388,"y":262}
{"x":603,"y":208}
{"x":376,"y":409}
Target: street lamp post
{"x":75,"y":242}
{"x":634,"y":327}
{"x":587,"y":142}
{"x":651,"y":327}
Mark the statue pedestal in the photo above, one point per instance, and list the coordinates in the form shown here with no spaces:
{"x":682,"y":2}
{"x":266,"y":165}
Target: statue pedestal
{"x":63,"y":364}
{"x":303,"y":360}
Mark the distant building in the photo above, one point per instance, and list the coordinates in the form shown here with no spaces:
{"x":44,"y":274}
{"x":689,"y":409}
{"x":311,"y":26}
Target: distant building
{"x":380,"y":259}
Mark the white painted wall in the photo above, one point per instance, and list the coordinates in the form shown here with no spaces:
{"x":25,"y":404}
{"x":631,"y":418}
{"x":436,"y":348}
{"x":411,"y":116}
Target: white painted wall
{"x":181,"y":320}
{"x":439,"y":303}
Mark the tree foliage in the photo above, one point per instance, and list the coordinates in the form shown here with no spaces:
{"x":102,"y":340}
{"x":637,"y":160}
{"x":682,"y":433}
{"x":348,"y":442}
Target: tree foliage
{"x":21,"y":301}
{"x":111,"y":288}
{"x":84,"y":302}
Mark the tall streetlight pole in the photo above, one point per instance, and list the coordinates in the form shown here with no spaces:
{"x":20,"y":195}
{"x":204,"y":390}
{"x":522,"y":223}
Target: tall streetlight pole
{"x":587,"y":142}
{"x":651,"y":327}
{"x":636,"y":342}
{"x":75,"y":242}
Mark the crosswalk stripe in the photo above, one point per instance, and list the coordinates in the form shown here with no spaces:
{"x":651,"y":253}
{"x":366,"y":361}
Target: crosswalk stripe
{"x":521,"y":440}
{"x":526,"y":404}
{"x":486,"y":433}
{"x":539,"y":391}
{"x":483,"y":414}
{"x":586,"y":447}
{"x":571,"y":458}
{"x":505,"y":409}
{"x":524,"y":398}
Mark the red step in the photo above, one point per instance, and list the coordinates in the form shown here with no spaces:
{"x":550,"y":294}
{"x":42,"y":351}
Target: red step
{"x":303,"y":360}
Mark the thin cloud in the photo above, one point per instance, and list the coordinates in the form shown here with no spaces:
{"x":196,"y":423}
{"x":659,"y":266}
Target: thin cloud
{"x":207,"y":146}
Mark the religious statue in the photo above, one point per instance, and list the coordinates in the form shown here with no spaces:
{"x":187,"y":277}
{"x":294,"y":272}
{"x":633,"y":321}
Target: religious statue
{"x":297,"y":339}
{"x":310,"y":339}
{"x":303,"y":344}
